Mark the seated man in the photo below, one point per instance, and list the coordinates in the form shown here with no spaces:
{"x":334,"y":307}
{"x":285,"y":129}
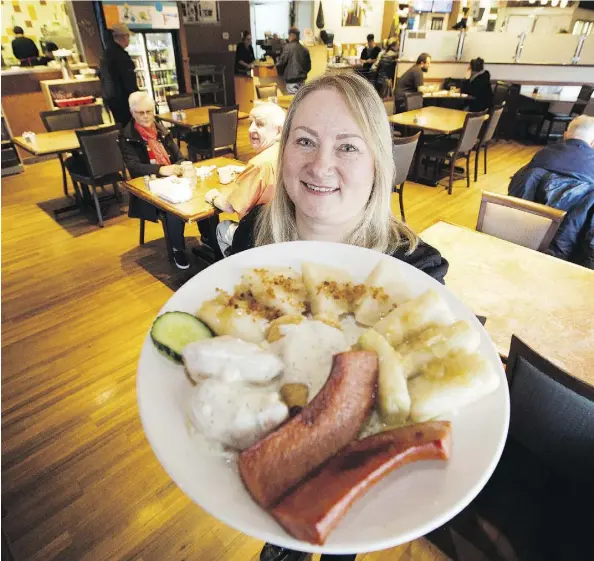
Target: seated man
{"x":562,"y":176}
{"x":256,"y":183}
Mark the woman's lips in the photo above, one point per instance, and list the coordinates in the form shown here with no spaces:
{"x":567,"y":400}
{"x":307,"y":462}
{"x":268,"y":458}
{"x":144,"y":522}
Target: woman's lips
{"x":319,"y":190}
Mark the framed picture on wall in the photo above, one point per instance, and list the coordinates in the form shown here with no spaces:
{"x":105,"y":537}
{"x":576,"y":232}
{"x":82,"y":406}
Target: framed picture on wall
{"x":200,"y":12}
{"x":355,"y":13}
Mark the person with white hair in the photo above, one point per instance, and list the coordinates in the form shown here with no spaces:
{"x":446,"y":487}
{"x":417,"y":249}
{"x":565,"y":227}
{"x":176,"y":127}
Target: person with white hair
{"x":562,"y":176}
{"x":148,"y":148}
{"x":256,"y":183}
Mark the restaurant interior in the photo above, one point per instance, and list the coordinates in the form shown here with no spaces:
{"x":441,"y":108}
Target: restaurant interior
{"x":490,"y":109}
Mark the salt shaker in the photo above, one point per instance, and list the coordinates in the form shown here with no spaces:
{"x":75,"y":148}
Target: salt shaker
{"x":190,"y":173}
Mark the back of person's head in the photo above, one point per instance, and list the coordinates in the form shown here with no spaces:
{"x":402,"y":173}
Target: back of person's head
{"x":139,"y":98}
{"x":245,"y":34}
{"x":582,"y":128}
{"x":377,"y":229}
{"x":50,"y":47}
{"x":18,"y":30}
{"x":295,"y":31}
{"x":371,"y":37}
{"x":477,"y":64}
{"x":423,"y":57}
{"x":271,"y":112}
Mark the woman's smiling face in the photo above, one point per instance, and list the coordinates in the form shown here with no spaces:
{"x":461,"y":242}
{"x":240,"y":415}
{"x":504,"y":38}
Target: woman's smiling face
{"x":328,"y":169}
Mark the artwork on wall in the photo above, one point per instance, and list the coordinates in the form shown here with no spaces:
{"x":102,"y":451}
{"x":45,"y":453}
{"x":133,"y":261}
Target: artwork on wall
{"x":200,"y":12}
{"x":355,"y":13}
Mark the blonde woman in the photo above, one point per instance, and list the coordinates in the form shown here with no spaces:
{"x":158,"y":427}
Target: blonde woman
{"x":334,"y":178}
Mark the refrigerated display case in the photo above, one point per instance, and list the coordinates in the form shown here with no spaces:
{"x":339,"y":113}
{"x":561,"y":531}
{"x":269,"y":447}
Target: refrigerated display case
{"x":162,"y":66}
{"x":137,"y":50}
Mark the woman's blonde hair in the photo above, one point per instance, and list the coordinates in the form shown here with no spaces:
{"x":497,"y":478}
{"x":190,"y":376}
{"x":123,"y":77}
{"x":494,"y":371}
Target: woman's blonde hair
{"x":378,"y":228}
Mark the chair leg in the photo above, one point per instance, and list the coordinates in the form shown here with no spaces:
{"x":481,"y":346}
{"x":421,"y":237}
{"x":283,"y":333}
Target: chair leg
{"x":64,"y":177}
{"x":97,"y":207}
{"x":550,"y":129}
{"x":476,"y":159}
{"x":468,"y":170}
{"x":142,"y":224}
{"x":452,"y":167}
{"x":401,"y":201}
{"x":486,"y":147}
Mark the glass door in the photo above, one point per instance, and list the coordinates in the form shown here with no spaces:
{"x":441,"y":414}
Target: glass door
{"x":137,"y":51}
{"x":163,"y":70}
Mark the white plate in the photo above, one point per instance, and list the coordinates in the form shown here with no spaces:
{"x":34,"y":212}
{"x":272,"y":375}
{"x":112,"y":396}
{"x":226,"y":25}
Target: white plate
{"x":407,"y":504}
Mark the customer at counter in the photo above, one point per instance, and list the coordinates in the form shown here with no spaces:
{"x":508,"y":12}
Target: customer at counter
{"x":48,"y":53}
{"x":256,"y":183}
{"x":294,"y":63}
{"x":148,"y":148}
{"x":118,"y":76}
{"x":414,"y":77}
{"x":23,"y":48}
{"x":370,"y":53}
{"x":244,"y":55}
{"x":562,"y":176}
{"x":478,"y":85}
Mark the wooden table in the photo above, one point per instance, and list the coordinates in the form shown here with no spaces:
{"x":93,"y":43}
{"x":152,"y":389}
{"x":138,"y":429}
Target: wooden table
{"x":433,"y":119}
{"x":528,"y":92}
{"x":545,"y":301}
{"x":196,"y":208}
{"x":195,"y":118}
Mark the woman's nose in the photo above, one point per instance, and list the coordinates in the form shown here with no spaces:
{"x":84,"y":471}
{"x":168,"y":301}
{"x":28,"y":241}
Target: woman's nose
{"x":322,"y":164}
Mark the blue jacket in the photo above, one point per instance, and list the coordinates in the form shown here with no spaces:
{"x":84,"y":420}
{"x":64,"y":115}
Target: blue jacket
{"x":566,"y":158}
{"x":570,"y":192}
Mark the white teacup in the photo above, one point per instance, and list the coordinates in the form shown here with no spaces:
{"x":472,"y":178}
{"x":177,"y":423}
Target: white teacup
{"x":226,"y":175}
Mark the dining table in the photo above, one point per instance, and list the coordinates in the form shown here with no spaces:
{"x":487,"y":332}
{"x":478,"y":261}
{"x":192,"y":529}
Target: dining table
{"x":439,"y":120}
{"x":195,"y":209}
{"x":193,"y":118}
{"x":547,"y":302}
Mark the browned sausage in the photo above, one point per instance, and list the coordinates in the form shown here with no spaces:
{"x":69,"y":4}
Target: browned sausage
{"x":274,"y":465}
{"x":314,"y":508}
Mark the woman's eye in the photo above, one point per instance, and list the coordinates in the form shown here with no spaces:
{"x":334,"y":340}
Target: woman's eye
{"x":348,"y":148}
{"x":304,"y":142}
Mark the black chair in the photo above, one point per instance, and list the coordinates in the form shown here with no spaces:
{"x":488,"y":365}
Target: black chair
{"x":412,"y":101}
{"x":520,"y":111}
{"x":451,"y":149}
{"x":455,"y":82}
{"x":101,"y":164}
{"x":61,"y":120}
{"x":179,"y":102}
{"x":500,"y":92}
{"x":91,"y":115}
{"x":486,"y":136}
{"x":223,"y":133}
{"x":403,"y":152}
{"x":577,"y":109}
{"x":538,"y":501}
{"x":386,"y":70}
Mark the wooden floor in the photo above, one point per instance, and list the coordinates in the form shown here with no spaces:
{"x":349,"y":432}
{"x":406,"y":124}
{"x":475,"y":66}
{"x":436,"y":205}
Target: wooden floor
{"x":79,"y":480}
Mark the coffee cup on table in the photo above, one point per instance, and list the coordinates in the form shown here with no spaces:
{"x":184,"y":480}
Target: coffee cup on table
{"x":226,"y":175}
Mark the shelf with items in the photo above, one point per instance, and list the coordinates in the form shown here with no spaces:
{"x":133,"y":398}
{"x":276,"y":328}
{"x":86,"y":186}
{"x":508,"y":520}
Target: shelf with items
{"x":209,"y":80}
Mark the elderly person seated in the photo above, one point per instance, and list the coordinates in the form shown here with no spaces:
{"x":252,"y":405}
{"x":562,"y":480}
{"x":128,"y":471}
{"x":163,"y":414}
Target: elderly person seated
{"x":562,"y":176}
{"x":148,"y":148}
{"x":256,"y":183}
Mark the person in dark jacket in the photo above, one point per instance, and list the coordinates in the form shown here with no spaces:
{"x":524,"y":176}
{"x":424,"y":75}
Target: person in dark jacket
{"x":148,"y":148}
{"x":562,"y":176}
{"x":370,"y":53}
{"x":118,"y":76}
{"x":478,"y":85}
{"x":244,"y":55}
{"x":294,"y":63}
{"x":23,"y":48}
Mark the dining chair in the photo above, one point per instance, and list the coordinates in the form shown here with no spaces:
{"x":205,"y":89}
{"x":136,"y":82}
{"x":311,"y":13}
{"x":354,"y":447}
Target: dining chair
{"x":518,"y":221}
{"x":486,"y":136}
{"x":91,"y":115}
{"x":403,"y":152}
{"x":451,"y":149}
{"x":179,"y":102}
{"x":60,"y":120}
{"x":101,"y":164}
{"x":577,"y":109}
{"x":223,"y":133}
{"x":519,"y":111}
{"x":500,"y":92}
{"x":537,"y":503}
{"x":412,"y":101}
{"x":266,"y":91}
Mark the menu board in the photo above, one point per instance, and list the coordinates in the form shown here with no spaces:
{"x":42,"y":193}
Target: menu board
{"x":141,"y":15}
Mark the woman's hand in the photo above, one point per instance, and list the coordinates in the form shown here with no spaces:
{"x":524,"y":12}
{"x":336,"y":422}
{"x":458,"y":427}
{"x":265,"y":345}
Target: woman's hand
{"x":171,"y":170}
{"x":211,"y":196}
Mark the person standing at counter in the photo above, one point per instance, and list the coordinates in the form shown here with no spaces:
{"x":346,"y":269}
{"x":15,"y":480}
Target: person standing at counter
{"x":294,"y":63}
{"x":244,"y":55}
{"x":23,"y":48}
{"x":118,"y":76}
{"x":370,"y":53}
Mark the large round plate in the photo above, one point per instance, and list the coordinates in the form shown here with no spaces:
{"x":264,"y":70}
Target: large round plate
{"x":407,"y":504}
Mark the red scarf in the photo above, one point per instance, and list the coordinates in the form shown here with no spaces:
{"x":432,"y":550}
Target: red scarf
{"x":156,"y":150}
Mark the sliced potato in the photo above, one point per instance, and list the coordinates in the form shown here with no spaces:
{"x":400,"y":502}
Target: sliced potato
{"x":437,"y":342}
{"x":410,"y":318}
{"x":385,"y":289}
{"x":393,"y":400}
{"x":331,"y":291}
{"x":280,"y":288}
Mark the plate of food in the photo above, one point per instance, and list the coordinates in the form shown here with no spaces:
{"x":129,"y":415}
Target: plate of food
{"x":323,"y":397}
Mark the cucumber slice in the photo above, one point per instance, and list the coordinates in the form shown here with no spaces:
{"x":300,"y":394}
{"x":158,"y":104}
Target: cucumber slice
{"x":172,"y":331}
